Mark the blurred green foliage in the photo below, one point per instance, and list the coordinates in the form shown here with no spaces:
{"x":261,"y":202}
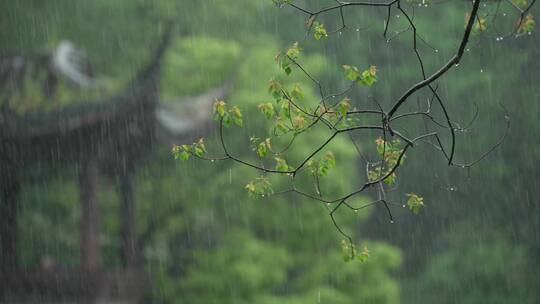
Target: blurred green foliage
{"x":282,"y":249}
{"x":195,"y":64}
{"x":486,"y":268}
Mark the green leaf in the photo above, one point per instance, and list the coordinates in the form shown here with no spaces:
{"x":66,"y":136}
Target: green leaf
{"x":184,"y":155}
{"x":280,"y":128}
{"x":287,"y":70}
{"x":369,"y":76}
{"x":364,"y":255}
{"x":236,"y":116}
{"x":281,"y":164}
{"x":344,"y":107}
{"x":220,"y":108}
{"x":262,"y":149}
{"x":319,"y":31}
{"x":294,"y":51}
{"x":198,"y":151}
{"x":198,"y":148}
{"x":415,"y":203}
{"x":351,"y":72}
{"x":267,"y":109}
{"x":327,"y":163}
{"x":176,"y":151}
{"x":259,"y":187}
{"x":286,"y":109}
{"x":181,"y":152}
{"x":274,"y":88}
{"x":226,"y":119}
{"x":297,"y":93}
{"x":348,"y":250}
{"x":390,"y":179}
{"x":526,"y":26}
{"x":299,"y":122}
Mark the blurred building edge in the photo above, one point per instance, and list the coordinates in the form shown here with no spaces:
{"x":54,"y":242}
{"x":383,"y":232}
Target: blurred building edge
{"x":100,"y":138}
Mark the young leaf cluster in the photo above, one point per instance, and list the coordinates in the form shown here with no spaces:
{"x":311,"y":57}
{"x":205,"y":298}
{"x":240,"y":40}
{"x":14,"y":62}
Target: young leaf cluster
{"x":227,"y":115}
{"x":415,"y":203}
{"x":349,"y":252}
{"x":390,"y":153}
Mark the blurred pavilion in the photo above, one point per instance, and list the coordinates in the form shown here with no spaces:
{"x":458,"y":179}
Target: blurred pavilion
{"x":107,"y":135}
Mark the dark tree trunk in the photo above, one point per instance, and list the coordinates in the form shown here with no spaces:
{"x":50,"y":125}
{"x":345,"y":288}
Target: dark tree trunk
{"x":90,"y":219}
{"x":129,"y":233}
{"x":9,"y":187}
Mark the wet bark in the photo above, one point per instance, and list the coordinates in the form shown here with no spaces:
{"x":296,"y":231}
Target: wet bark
{"x":90,"y":219}
{"x":9,"y":192}
{"x":129,"y":233}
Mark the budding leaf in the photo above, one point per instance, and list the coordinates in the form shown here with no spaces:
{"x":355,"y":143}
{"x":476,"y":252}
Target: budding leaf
{"x":219,"y":108}
{"x":262,"y":149}
{"x":348,"y":251}
{"x":364,"y":255}
{"x":237,"y":116}
{"x":294,"y":51}
{"x":344,"y":107}
{"x":267,"y":109}
{"x":328,"y":162}
{"x":274,"y":88}
{"x":351,"y":72}
{"x":415,"y":203}
{"x":320,"y":31}
{"x":259,"y":187}
{"x":369,"y":76}
{"x":297,"y":93}
{"x":526,"y":25}
{"x":281,"y":164}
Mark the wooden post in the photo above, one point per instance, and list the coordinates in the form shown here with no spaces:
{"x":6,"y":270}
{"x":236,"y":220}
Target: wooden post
{"x":129,"y":230}
{"x":90,"y":219}
{"x":9,"y":194}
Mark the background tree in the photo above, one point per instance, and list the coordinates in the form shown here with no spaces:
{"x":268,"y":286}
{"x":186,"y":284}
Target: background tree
{"x":292,"y":115}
